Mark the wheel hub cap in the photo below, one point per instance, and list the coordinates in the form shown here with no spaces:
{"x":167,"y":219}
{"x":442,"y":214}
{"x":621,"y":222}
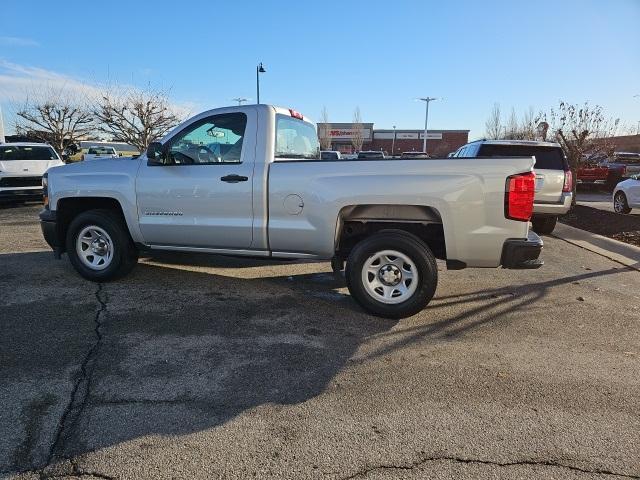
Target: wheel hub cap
{"x":94,"y":247}
{"x":99,"y":247}
{"x":390,"y":275}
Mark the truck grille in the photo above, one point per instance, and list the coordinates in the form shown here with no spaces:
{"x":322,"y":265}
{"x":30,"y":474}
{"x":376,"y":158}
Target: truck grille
{"x":15,"y":182}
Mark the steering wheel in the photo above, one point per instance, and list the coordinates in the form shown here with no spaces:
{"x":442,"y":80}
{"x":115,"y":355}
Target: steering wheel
{"x":206,"y":155}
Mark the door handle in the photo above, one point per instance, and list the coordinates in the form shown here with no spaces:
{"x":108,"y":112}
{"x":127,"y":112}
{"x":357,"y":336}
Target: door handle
{"x":234,"y":178}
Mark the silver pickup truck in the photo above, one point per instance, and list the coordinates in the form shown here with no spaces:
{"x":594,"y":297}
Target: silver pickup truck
{"x":248,"y":180}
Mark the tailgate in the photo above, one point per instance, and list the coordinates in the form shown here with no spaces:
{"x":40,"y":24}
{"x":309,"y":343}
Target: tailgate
{"x":549,"y":185}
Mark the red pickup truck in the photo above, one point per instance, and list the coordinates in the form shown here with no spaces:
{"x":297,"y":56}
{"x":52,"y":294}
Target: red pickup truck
{"x":592,"y":173}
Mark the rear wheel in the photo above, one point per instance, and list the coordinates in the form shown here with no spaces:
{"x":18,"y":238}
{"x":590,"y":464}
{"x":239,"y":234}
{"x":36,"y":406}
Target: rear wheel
{"x":99,"y":246}
{"x":544,"y":225}
{"x":620,"y":204}
{"x":392,"y":274}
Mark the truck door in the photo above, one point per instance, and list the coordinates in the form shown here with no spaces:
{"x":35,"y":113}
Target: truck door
{"x":200,"y":193}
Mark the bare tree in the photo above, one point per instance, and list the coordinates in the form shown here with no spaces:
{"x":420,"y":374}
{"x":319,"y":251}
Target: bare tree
{"x":512,"y":128}
{"x":493,"y":126}
{"x":528,"y":125}
{"x":323,"y":133}
{"x":523,"y":129}
{"x":137,"y":117}
{"x":357,"y":138}
{"x":56,"y":116}
{"x":583,"y":131}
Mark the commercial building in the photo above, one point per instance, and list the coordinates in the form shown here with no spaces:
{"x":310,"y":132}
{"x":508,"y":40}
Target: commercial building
{"x":394,"y":141}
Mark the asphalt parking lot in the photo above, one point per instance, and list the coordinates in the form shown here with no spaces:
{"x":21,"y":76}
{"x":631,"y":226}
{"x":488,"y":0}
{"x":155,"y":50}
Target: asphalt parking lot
{"x":212,"y":367}
{"x":598,"y":199}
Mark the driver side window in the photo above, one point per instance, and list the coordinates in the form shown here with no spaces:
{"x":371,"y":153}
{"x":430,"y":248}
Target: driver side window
{"x":213,"y":140}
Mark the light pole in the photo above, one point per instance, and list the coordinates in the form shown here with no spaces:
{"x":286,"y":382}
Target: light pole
{"x":259,"y":69}
{"x":638,"y":128}
{"x":240,"y":100}
{"x":393,"y":144}
{"x":426,"y":100}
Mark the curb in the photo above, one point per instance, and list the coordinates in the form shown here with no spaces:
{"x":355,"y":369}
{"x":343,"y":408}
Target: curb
{"x":624,"y":253}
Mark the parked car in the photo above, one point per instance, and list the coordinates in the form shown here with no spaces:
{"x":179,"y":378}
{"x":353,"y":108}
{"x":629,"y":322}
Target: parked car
{"x":21,"y":168}
{"x":370,"y":154}
{"x":330,"y":155}
{"x":267,"y":197}
{"x":626,"y":195}
{"x":414,"y":155}
{"x":554,"y":182}
{"x":95,"y":153}
{"x":622,"y":165}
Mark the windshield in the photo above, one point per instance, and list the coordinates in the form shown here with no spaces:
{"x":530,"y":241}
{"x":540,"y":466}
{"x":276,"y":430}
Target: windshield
{"x":547,"y":158}
{"x":16,"y":152}
{"x":102,"y":150}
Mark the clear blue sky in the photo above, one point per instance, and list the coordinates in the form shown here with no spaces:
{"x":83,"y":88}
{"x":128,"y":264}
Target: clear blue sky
{"x":378,"y":55}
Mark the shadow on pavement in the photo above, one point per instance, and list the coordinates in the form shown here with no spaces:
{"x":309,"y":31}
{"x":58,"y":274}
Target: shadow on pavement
{"x":177,"y":351}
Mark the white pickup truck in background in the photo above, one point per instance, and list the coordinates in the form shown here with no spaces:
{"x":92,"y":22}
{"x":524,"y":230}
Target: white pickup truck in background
{"x":95,"y":153}
{"x":248,"y":180}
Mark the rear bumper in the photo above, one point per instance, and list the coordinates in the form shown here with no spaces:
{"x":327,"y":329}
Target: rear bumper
{"x":559,"y":208}
{"x":49,"y":227}
{"x":520,"y":253}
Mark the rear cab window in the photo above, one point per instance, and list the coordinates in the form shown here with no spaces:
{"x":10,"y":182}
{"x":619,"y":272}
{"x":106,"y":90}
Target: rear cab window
{"x":102,"y":151}
{"x":547,"y":157}
{"x":296,"y":139}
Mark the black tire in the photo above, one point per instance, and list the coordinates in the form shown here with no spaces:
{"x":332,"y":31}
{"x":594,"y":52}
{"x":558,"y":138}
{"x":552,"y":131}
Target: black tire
{"x":620,"y":204}
{"x":412,"y":247}
{"x":125,"y":254}
{"x":544,"y":225}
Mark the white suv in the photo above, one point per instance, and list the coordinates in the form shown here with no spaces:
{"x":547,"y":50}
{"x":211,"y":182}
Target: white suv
{"x":21,"y":168}
{"x":554,"y":181}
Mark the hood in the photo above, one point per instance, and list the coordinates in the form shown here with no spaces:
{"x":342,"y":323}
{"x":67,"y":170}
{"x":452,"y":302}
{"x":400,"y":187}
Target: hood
{"x":27,"y":167}
{"x":99,"y":166}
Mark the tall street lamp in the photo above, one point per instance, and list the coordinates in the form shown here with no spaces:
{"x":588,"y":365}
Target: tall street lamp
{"x":426,"y":100}
{"x":240,"y":100}
{"x":637,"y":129}
{"x":259,"y":69}
{"x":393,"y":144}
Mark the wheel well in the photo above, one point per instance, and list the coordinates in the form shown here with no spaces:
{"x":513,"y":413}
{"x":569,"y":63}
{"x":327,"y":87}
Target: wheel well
{"x":69,"y":208}
{"x":360,"y":221}
{"x":354,"y":231}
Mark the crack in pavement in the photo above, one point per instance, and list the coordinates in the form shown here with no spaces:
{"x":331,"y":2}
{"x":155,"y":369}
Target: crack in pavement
{"x":545,"y":463}
{"x":80,"y":392}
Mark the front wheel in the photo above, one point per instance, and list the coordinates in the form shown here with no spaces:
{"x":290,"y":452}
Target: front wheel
{"x":620,"y":204}
{"x":392,"y":274}
{"x":544,"y":225}
{"x":99,"y":246}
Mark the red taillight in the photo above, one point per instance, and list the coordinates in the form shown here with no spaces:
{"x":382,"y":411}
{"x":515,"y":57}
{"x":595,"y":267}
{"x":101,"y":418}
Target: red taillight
{"x":568,"y":181}
{"x":518,"y":198}
{"x":295,"y":114}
